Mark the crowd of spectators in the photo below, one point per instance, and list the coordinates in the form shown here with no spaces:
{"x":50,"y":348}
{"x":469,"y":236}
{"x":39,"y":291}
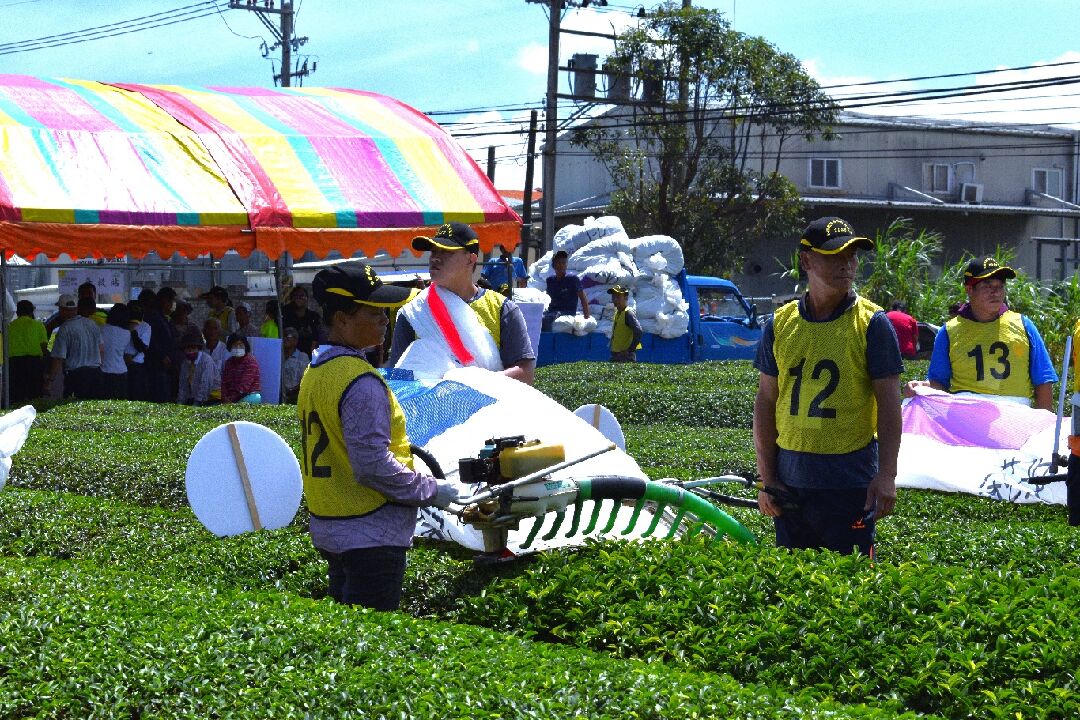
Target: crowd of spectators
{"x":153,"y":350}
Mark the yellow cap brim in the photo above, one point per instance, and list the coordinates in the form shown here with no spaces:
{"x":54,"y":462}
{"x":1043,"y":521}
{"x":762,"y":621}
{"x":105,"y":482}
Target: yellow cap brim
{"x":863,"y":243}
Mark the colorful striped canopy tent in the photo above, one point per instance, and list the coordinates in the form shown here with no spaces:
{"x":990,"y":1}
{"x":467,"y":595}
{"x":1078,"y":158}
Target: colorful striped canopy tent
{"x":102,"y":169}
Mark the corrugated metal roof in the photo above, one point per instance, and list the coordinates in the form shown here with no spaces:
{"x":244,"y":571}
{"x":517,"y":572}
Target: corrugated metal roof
{"x":915,"y":122}
{"x":967,"y":208}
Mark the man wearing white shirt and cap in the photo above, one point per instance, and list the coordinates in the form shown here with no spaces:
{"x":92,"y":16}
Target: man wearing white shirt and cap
{"x":493,"y":335}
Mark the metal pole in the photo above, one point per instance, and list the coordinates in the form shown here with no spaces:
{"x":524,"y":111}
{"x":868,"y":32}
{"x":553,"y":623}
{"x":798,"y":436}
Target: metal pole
{"x":286,"y":43}
{"x":526,"y":198}
{"x":550,"y":123}
{"x":6,"y":376}
{"x":281,"y":330}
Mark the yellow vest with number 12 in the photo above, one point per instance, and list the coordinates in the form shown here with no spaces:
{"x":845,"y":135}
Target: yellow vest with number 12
{"x":826,"y":403}
{"x":330,"y":486}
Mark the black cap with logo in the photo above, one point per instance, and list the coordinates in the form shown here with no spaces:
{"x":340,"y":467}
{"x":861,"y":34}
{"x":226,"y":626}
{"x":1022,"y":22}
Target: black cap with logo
{"x":355,"y":283}
{"x":830,"y":235}
{"x":451,"y":236}
{"x":978,"y":270}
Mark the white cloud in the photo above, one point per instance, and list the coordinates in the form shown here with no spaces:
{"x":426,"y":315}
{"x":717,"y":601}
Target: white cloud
{"x":588,"y":20}
{"x":533,"y":58}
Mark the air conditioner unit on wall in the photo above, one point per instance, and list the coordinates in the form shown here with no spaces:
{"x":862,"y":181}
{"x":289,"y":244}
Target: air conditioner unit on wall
{"x":971,"y":192}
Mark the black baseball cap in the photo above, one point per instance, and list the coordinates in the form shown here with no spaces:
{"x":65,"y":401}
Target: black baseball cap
{"x":355,"y":282}
{"x":451,"y":236}
{"x":618,"y":290}
{"x":978,"y":270}
{"x":830,"y":235}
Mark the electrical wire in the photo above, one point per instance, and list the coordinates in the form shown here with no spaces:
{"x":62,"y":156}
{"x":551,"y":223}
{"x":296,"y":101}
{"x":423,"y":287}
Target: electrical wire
{"x":763,"y":113}
{"x":239,"y":35}
{"x":186,"y":13}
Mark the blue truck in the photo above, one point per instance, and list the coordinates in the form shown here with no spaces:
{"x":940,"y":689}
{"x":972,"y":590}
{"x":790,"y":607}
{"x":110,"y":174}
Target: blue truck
{"x":723,"y":326}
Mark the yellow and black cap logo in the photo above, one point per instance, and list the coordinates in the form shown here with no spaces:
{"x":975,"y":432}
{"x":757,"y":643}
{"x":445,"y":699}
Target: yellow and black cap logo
{"x":355,"y":282}
{"x":830,"y":235}
{"x":978,"y":270}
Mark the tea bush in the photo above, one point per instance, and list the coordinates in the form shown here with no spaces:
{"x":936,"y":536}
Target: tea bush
{"x":81,"y":641}
{"x":131,"y":451}
{"x":933,"y":638}
{"x":115,"y":601}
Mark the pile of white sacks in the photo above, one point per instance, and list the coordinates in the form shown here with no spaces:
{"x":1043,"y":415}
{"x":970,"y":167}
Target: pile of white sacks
{"x":601,"y":254}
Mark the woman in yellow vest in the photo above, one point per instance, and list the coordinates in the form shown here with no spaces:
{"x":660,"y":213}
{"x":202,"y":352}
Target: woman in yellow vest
{"x":360,"y":486}
{"x":625,"y":328}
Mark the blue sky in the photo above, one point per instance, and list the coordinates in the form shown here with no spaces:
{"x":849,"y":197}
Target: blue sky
{"x":488,"y":57}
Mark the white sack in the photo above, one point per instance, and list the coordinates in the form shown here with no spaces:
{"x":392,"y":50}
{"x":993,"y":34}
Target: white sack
{"x":645,"y":247}
{"x":14,"y":427}
{"x":539,"y":272}
{"x":532,"y":295}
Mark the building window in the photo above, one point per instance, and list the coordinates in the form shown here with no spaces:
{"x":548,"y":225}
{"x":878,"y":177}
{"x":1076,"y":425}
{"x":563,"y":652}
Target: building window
{"x":937,"y":177}
{"x":964,"y":172}
{"x":1047,"y":181}
{"x":825,"y":172}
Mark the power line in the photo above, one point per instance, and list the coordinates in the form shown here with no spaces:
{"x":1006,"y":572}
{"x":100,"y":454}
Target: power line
{"x":515,"y":107}
{"x":953,"y":75}
{"x":146,"y":22}
{"x":764,"y":113}
{"x":239,"y":35}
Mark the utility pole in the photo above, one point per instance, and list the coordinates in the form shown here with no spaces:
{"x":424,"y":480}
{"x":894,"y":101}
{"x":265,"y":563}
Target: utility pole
{"x":284,"y":35}
{"x":551,"y":124}
{"x":526,"y":199}
{"x":684,"y":98}
{"x":555,"y":8}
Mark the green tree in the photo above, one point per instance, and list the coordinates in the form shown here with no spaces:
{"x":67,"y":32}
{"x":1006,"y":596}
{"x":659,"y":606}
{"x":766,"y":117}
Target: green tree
{"x":698,"y":157}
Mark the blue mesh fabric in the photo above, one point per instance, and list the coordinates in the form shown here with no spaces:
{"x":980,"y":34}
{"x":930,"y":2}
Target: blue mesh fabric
{"x":430,"y":411}
{"x":396,"y":374}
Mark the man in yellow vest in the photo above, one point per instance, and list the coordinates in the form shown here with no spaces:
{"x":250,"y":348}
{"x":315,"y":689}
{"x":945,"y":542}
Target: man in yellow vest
{"x":827,"y":419}
{"x":988,"y":348}
{"x":452,"y":265}
{"x":361,"y":489}
{"x":625,"y":328}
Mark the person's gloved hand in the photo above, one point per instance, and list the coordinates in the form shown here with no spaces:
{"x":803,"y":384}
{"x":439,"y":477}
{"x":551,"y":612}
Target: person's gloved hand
{"x":446,"y":493}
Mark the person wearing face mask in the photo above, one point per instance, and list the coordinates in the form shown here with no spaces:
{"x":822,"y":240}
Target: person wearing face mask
{"x":357,"y":465}
{"x":199,"y":375}
{"x":240,"y":377}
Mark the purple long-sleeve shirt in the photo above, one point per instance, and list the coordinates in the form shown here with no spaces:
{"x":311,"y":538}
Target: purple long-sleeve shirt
{"x":365,"y":420}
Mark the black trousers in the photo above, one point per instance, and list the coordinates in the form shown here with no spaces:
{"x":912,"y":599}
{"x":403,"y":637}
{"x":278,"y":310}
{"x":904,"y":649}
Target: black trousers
{"x":826,"y":519}
{"x":371,"y":577}
{"x":83,"y":383}
{"x":27,"y":373}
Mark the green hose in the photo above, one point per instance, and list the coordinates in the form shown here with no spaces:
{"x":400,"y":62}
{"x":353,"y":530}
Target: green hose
{"x":598,"y":489}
